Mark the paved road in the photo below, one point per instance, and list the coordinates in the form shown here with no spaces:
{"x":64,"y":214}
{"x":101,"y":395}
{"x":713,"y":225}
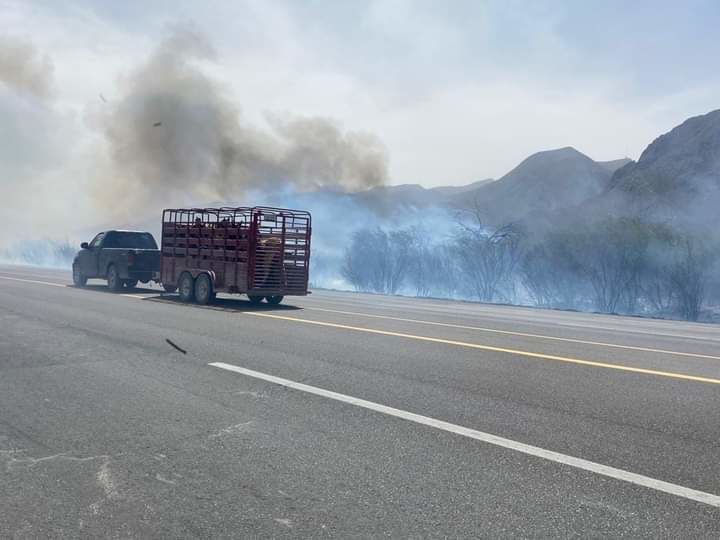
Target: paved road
{"x":348,"y":415}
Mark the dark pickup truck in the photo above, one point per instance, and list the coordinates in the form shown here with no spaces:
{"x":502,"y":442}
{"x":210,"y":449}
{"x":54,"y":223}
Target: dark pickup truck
{"x":121,"y":257}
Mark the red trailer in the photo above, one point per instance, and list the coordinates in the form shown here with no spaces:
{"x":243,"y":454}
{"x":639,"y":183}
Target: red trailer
{"x":259,"y":251}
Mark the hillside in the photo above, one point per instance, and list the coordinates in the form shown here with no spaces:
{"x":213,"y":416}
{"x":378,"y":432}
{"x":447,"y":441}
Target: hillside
{"x":541,"y":185}
{"x":677,"y":177}
{"x":384,"y":199}
{"x":615,"y":164}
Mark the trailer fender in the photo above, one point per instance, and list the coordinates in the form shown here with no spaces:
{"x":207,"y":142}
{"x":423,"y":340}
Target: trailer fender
{"x":210,"y":273}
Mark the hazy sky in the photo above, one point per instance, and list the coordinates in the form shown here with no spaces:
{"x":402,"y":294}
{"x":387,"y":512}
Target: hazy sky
{"x":457,"y":90}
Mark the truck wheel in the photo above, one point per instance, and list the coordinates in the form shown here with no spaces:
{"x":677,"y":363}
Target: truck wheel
{"x":113,"y":279}
{"x":130,"y":283}
{"x":79,"y":280}
{"x":186,"y":286}
{"x":274,"y":300}
{"x":254,"y":299}
{"x":203,"y":289}
{"x":169,"y":288}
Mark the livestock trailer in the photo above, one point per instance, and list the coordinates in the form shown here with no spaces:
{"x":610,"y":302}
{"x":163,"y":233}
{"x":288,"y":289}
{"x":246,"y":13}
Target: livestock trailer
{"x":260,"y":251}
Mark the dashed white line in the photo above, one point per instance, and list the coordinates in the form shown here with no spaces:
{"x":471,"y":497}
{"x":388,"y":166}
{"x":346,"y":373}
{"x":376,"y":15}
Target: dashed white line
{"x":578,"y":463}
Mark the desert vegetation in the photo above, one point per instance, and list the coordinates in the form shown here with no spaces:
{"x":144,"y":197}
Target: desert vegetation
{"x":618,"y":265}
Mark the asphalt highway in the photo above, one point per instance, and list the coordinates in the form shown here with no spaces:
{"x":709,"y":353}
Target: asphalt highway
{"x":348,"y":415}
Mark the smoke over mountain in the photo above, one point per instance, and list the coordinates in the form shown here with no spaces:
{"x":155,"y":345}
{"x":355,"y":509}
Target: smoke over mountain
{"x":174,"y":134}
{"x":559,"y":230}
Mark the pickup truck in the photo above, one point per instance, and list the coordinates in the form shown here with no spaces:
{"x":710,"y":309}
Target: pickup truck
{"x":121,"y":257}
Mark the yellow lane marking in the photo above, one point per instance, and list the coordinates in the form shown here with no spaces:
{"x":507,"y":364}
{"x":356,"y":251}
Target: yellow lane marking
{"x":34,"y":281}
{"x":521,"y":334}
{"x":528,"y":354}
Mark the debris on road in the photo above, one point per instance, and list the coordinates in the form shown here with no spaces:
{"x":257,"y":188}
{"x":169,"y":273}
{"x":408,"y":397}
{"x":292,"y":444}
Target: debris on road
{"x":175,"y":346}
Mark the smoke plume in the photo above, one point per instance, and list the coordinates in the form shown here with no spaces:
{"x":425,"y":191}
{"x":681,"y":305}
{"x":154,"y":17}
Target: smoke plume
{"x":175,"y":135}
{"x":23,"y":70}
{"x":33,"y":143}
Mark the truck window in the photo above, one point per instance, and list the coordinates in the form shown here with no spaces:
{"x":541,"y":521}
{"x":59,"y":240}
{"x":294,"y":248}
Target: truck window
{"x":129,"y":240}
{"x":97,"y":240}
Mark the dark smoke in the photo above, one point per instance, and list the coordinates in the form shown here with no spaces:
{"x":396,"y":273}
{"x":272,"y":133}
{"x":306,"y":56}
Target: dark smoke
{"x":174,"y":134}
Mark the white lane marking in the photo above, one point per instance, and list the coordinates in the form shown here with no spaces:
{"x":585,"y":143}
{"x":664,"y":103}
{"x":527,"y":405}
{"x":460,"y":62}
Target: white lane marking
{"x":32,"y":273}
{"x":578,"y":463}
{"x":479,"y":346}
{"x":35,"y":281}
{"x":128,"y":295}
{"x":449,"y":325}
{"x":513,"y":333}
{"x":594,"y":321}
{"x":439,"y":340}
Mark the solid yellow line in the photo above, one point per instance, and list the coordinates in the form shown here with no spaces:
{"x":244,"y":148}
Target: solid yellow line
{"x":450,"y":342}
{"x":521,"y":334}
{"x":529,"y":354}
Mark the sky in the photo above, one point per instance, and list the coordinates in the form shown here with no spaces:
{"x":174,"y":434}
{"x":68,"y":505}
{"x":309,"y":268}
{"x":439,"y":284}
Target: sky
{"x":455,"y":91}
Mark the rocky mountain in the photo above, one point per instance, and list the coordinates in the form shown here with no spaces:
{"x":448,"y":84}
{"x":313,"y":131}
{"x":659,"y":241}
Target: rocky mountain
{"x":542,"y":185}
{"x":677,"y":177}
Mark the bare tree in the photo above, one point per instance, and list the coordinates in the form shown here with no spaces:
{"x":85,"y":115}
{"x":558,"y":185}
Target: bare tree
{"x":427,"y":269}
{"x":487,"y":259}
{"x":377,"y":261}
{"x":688,"y":276}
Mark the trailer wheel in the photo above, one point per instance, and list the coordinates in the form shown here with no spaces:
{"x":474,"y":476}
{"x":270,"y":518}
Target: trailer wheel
{"x":169,"y":288}
{"x":274,"y":300}
{"x":203,"y":289}
{"x":113,"y":279}
{"x":79,"y":280}
{"x":130,"y":283}
{"x":254,"y":299}
{"x":186,"y":288}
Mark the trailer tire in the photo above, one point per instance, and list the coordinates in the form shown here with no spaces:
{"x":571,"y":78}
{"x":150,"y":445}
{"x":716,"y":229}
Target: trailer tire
{"x":204,"y":289}
{"x":186,"y":286}
{"x":274,"y":300}
{"x":79,"y":280}
{"x":169,"y":288}
{"x":254,"y":299}
{"x":113,"y":279}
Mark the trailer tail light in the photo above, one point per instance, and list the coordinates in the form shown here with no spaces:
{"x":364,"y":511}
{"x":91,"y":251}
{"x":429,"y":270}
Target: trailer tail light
{"x":131,"y":259}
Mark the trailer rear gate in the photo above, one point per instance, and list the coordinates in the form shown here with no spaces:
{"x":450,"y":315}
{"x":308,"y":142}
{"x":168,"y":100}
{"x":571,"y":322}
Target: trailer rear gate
{"x":261,"y":251}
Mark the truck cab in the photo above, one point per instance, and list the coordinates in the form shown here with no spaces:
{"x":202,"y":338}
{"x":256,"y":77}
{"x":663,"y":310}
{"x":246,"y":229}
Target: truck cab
{"x":121,"y":257}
